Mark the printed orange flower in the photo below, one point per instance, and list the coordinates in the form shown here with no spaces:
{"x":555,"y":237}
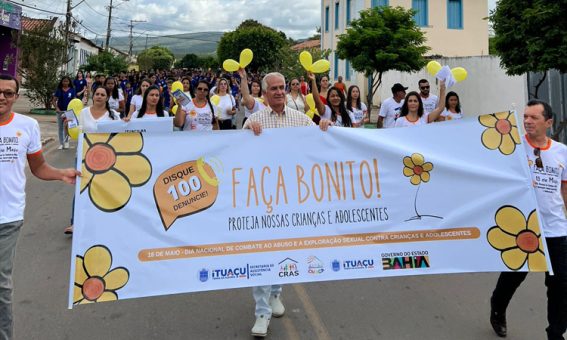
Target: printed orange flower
{"x":112,"y":165}
{"x":501,"y":133}
{"x":518,"y":239}
{"x":416,"y":168}
{"x":94,"y":280}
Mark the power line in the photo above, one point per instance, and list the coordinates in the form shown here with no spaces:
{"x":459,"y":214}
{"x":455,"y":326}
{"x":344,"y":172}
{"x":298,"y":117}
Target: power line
{"x":36,"y":9}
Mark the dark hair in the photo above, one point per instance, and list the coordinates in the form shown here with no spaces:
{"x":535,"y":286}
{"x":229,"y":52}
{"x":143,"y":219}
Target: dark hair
{"x":342,"y":108}
{"x":259,"y":85}
{"x":60,"y":85}
{"x":77,"y":75}
{"x":9,"y":77}
{"x":319,"y":82}
{"x":349,"y":97}
{"x":421,"y":81}
{"x":453,"y":94}
{"x":203,"y":81}
{"x":547,"y":110}
{"x":107,"y":105}
{"x":159,"y":106}
{"x":115,"y":89}
{"x":139,"y":89}
{"x":404,"y":111}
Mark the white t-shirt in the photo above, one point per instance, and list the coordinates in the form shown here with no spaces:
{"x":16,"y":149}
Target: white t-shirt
{"x":547,"y":183}
{"x":226,"y":103}
{"x":148,"y":115}
{"x":404,"y":122}
{"x":115,"y":103}
{"x":296,"y":104}
{"x":199,"y":118}
{"x":19,"y":137}
{"x":89,"y":124}
{"x":137,"y":101}
{"x":359,"y":114}
{"x":390,"y":110}
{"x":450,"y":115}
{"x":430,"y":103}
{"x":258,"y":105}
{"x":339,"y":121}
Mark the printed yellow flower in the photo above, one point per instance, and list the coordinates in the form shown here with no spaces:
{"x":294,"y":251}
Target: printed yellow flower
{"x":518,"y":239}
{"x":94,"y":281}
{"x":501,"y":133}
{"x":416,"y":168}
{"x":112,"y":165}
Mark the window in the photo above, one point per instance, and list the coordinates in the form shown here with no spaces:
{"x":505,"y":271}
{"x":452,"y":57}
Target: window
{"x":336,"y":66}
{"x":455,"y":14}
{"x":347,"y":70}
{"x":337,"y":15}
{"x":348,"y":11}
{"x":420,"y":17}
{"x":327,"y":19}
{"x":376,"y":3}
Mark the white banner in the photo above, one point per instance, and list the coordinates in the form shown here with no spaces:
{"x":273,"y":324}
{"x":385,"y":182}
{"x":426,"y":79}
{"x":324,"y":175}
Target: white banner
{"x":181,"y":212}
{"x":161,"y":124}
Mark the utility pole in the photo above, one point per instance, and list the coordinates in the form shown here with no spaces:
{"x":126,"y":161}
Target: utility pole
{"x":67,"y":28}
{"x":108,"y":27}
{"x":131,"y":37}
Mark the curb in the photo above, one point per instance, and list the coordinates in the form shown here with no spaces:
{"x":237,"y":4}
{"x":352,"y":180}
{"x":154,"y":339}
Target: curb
{"x":47,"y":140}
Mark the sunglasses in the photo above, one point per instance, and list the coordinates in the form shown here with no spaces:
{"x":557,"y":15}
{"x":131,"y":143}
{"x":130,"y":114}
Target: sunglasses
{"x":538,"y":161}
{"x":293,"y":84}
{"x":8,"y":94}
{"x":202,"y":89}
{"x":424,"y":87}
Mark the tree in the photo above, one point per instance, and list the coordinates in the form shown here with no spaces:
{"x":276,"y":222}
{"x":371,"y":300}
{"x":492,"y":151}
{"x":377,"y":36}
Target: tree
{"x":530,"y":36}
{"x":190,"y":60}
{"x":288,"y":61}
{"x":383,"y":39}
{"x":42,"y":51}
{"x":264,"y":41}
{"x":106,"y":63}
{"x":156,"y":57}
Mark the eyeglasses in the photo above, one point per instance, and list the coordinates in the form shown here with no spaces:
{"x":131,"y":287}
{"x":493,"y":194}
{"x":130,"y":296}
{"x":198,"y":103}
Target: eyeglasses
{"x":8,"y":94}
{"x":424,"y":87}
{"x":202,"y":89}
{"x":538,"y":161}
{"x":294,"y":84}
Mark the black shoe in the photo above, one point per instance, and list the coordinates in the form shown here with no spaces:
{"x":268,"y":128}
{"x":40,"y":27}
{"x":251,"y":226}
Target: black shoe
{"x":498,"y":322}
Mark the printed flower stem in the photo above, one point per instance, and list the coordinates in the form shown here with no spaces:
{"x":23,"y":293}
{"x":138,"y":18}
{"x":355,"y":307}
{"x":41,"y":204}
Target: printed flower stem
{"x":418,"y":216}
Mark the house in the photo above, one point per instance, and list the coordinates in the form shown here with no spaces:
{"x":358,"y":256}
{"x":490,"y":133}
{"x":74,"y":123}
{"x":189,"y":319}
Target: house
{"x":10,"y":26}
{"x":80,"y":50}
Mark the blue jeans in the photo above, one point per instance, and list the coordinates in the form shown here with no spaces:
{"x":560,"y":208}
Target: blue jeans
{"x":262,"y":297}
{"x":8,"y":236}
{"x":556,"y":284}
{"x":61,"y":129}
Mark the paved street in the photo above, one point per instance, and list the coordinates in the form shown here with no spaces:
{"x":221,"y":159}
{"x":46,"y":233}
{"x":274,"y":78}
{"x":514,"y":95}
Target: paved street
{"x":426,"y":307}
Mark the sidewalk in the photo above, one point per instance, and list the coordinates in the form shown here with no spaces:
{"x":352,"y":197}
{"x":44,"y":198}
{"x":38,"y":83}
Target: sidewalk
{"x":47,"y":124}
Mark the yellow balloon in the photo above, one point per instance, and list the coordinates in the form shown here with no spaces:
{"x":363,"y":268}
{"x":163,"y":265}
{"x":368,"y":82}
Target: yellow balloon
{"x":74,"y":132}
{"x":230,"y":65}
{"x":433,"y":67}
{"x":246,"y":57}
{"x":76,"y":105}
{"x":306,"y":60}
{"x":177,"y":85}
{"x":215,"y":100}
{"x":459,"y":73}
{"x":174,"y":110}
{"x":311,"y":113}
{"x":310,"y":102}
{"x":321,"y":66}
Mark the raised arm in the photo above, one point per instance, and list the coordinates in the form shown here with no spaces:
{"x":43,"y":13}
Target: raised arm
{"x":318,"y":103}
{"x":433,"y":115}
{"x":180,"y":116}
{"x":247,"y":99}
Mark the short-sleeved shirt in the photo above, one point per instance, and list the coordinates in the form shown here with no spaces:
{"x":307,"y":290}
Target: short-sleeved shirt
{"x":547,"y":183}
{"x":297,"y":103}
{"x":404,"y":122}
{"x":451,"y":115}
{"x":226,"y":103}
{"x":79,"y":84}
{"x":19,"y":137}
{"x":270,"y":120}
{"x":339,"y":121}
{"x":258,"y":105}
{"x":64,"y":97}
{"x":359,"y":113}
{"x":137,"y":101}
{"x":89,"y":124}
{"x":390,"y":111}
{"x":429,"y":103}
{"x":149,"y":115}
{"x":115,"y":103}
{"x":198,"y":118}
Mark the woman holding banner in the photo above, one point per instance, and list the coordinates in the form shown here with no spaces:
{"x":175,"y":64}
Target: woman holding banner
{"x":412,"y":113}
{"x":199,"y":114}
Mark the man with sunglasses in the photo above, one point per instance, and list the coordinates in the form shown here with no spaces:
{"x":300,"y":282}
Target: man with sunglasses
{"x":547,"y":160}
{"x":19,"y":141}
{"x":429,"y":100}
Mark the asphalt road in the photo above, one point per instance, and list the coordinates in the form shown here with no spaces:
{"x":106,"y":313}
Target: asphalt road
{"x":419,"y":307}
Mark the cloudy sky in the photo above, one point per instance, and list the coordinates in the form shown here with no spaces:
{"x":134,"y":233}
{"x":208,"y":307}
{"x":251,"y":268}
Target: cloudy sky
{"x":298,"y":19}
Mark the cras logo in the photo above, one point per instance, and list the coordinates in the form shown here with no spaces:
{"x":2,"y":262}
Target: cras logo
{"x":203,"y":275}
{"x":231,"y":273}
{"x":288,"y":268}
{"x":314,"y":265}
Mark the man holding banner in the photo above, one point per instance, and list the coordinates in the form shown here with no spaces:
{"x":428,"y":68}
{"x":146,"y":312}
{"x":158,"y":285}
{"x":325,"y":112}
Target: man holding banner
{"x":276,"y":115}
{"x":547,"y":161}
{"x":20,"y":141}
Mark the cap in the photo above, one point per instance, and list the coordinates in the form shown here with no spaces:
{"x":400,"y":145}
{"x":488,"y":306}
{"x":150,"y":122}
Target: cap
{"x":398,"y":87}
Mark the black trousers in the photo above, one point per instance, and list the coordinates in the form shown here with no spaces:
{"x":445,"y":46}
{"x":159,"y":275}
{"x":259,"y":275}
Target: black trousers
{"x":556,"y":284}
{"x":225,"y":124}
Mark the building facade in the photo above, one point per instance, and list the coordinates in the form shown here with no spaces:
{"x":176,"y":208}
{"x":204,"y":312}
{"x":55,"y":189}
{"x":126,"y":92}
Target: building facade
{"x":10,"y":26}
{"x":80,"y":50}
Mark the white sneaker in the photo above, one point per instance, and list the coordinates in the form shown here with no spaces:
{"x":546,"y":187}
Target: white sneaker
{"x":260,"y":328}
{"x":66,"y":145}
{"x":278,"y":308}
{"x":60,"y":147}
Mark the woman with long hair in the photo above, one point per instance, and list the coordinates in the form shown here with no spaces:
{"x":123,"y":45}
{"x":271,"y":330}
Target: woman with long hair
{"x":227,"y":104}
{"x":323,"y":87}
{"x":335,"y":109}
{"x":152,"y":106}
{"x":89,"y":80}
{"x":61,"y":99}
{"x":412,"y":113}
{"x":252,"y":100}
{"x":452,"y":107}
{"x":199,"y":114}
{"x":356,"y":106}
{"x":295,"y":99}
{"x":138,"y":98}
{"x":187,"y":87}
{"x":116,"y":100}
{"x":80,"y":85}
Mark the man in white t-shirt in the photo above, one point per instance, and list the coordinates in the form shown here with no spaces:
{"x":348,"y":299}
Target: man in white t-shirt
{"x":429,"y":101}
{"x":390,"y":108}
{"x":19,"y":141}
{"x":547,"y":160}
